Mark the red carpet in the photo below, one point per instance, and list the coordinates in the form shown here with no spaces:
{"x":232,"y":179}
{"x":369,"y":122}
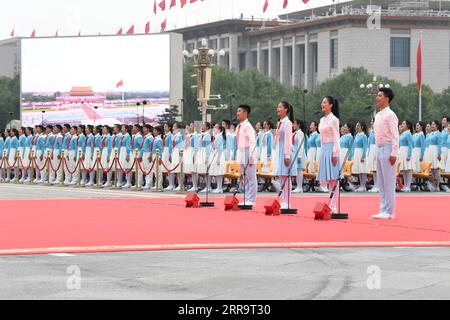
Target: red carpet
{"x":91,"y":114}
{"x":108,"y":225}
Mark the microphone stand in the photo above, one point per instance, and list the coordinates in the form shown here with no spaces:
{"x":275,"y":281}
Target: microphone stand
{"x":289,"y":210}
{"x":340,"y":216}
{"x":245,"y":207}
{"x":208,"y":204}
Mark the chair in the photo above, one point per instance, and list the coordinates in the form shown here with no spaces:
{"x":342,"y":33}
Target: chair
{"x":423,"y":176}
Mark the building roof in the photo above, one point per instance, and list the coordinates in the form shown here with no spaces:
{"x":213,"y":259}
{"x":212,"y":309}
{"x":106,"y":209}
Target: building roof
{"x":81,"y":92}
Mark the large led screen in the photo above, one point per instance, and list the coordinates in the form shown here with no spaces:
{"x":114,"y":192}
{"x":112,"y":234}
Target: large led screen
{"x":95,"y":80}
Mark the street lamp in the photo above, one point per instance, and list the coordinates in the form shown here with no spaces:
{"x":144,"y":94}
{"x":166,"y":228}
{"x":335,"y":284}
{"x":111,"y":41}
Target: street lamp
{"x":373,"y":87}
{"x":43,"y":113}
{"x":137,"y":112}
{"x":144,"y":103}
{"x":203,"y":59}
{"x":95,"y":114}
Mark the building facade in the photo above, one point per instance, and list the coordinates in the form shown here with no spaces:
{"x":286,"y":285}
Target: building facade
{"x":308,"y":47}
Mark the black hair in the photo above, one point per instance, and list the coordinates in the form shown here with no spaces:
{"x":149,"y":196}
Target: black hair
{"x":424,"y":126}
{"x":159,"y":129}
{"x":149,"y":127}
{"x":223,"y":130}
{"x":335,"y":109}
{"x":246,"y":108}
{"x":301,"y":124}
{"x":363,"y":126}
{"x":317,"y":126}
{"x":388,"y":92}
{"x":351,"y":128}
{"x":290,"y":108}
{"x":170,"y":126}
{"x":90,"y":128}
{"x":67,"y":126}
{"x":15,"y":132}
{"x":227,"y":122}
{"x":139,"y":127}
{"x":83,"y":128}
{"x":438,"y":124}
{"x":409,"y":125}
{"x":445,"y":117}
{"x":99,"y":128}
{"x":58,"y":127}
{"x":208,"y":125}
{"x":49,"y":127}
{"x":75,"y":128}
{"x":270,"y":124}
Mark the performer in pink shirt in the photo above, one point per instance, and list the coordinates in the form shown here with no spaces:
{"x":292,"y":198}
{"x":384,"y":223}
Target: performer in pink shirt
{"x":246,"y":148}
{"x":387,"y":138}
{"x":329,"y":156}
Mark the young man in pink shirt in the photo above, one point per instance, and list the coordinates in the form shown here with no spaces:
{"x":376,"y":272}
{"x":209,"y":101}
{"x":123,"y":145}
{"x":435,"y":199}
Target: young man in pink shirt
{"x":387,"y":139}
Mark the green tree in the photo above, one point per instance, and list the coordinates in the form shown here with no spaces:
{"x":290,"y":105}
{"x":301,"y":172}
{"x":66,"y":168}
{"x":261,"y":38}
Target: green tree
{"x":9,"y":99}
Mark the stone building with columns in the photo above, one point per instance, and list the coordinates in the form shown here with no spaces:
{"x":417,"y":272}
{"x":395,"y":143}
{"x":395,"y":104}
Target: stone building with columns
{"x":307,"y":47}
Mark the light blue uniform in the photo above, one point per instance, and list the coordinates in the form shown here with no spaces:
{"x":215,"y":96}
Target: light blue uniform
{"x":2,"y":144}
{"x":282,"y":169}
{"x":22,"y":143}
{"x":406,"y":140}
{"x":345,"y":142}
{"x":7,"y":146}
{"x":301,"y":155}
{"x":82,"y":144}
{"x":419,"y":143}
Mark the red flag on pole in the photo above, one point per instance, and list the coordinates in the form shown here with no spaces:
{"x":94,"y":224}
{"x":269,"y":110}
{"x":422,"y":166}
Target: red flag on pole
{"x":192,"y":1}
{"x":162,"y":5}
{"x":285,"y":4}
{"x":183,"y":3}
{"x":12,"y":33}
{"x":33,"y":34}
{"x":306,"y":1}
{"x":131,"y":30}
{"x":119,"y":84}
{"x":155,"y":7}
{"x":419,"y":66}
{"x":120,"y":32}
{"x":164,"y":25}
{"x":266,"y":5}
{"x":147,"y":27}
{"x":173,"y":3}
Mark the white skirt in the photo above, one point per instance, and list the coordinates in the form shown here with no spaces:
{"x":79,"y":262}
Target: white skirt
{"x":202,"y":161}
{"x":146,"y":164}
{"x":312,"y":157}
{"x":104,"y":159}
{"x":218,"y":169}
{"x":447,"y":166}
{"x":415,"y":161}
{"x":71,"y":163}
{"x":444,"y":155}
{"x":12,"y":158}
{"x":265,"y":161}
{"x":165,"y":160}
{"x":40,"y":163}
{"x":405,"y":165}
{"x":175,"y":160}
{"x":431,"y":155}
{"x":123,"y":159}
{"x":358,"y":166}
{"x":371,"y":159}
{"x":188,"y":161}
{"x":342,"y":156}
{"x":111,"y":159}
{"x":88,"y":162}
{"x":26,"y":157}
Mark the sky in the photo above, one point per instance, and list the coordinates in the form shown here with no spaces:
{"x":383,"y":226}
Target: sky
{"x":56,"y":64}
{"x":91,"y":17}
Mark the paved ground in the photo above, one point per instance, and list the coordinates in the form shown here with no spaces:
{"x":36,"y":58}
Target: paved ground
{"x":384,"y":273}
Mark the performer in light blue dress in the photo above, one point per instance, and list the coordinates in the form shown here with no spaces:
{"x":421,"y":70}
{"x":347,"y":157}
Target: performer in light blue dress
{"x":405,"y":154}
{"x":359,"y":156}
{"x":418,"y":146}
{"x":299,"y":142}
{"x":286,"y":165}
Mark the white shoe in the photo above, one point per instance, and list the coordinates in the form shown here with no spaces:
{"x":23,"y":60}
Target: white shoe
{"x":107,"y":185}
{"x":217,"y":191}
{"x":192,"y":189}
{"x":382,"y":216}
{"x":169,"y":188}
{"x":89,"y":184}
{"x":448,"y":191}
{"x":21,"y":180}
{"x":7,"y":180}
{"x":73,"y":183}
{"x":177,"y":189}
{"x":361,"y":189}
{"x":407,"y":190}
{"x":146,"y":188}
{"x":374,"y":190}
{"x":127,"y":186}
{"x":247,"y":204}
{"x":297,"y":191}
{"x":204,"y":190}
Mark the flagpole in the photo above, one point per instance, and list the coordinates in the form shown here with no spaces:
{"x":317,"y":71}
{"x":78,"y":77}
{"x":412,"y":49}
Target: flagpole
{"x":420,"y":91}
{"x":123,"y":111}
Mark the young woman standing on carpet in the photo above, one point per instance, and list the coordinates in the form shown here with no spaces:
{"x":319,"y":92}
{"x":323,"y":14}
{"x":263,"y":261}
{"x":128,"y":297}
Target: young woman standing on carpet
{"x":106,"y":147}
{"x":124,"y":156}
{"x":312,"y":144}
{"x":136,"y":145}
{"x":89,"y":159}
{"x":299,"y":142}
{"x":218,"y":165}
{"x":329,"y":156}
{"x":286,"y":166}
{"x":359,"y":156}
{"x":72,"y":148}
{"x":267,"y":147}
{"x":157,"y":145}
{"x":405,"y":154}
{"x":188,"y":155}
{"x":13,"y":148}
{"x":146,"y":156}
{"x":195,"y":149}
{"x":418,"y":146}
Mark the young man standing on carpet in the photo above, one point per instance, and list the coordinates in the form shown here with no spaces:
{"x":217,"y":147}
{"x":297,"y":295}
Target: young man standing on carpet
{"x":246,"y":145}
{"x":387,"y":138}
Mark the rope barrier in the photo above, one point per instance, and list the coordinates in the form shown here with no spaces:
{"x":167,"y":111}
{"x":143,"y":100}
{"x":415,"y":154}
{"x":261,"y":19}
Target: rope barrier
{"x":125,"y":171}
{"x":110,"y":168}
{"x":88,"y":170}
{"x":14,"y":164}
{"x":36,"y":165}
{"x":59,"y":166}
{"x":22,"y":167}
{"x":170,"y":171}
{"x":68,"y":169}
{"x":143,"y":171}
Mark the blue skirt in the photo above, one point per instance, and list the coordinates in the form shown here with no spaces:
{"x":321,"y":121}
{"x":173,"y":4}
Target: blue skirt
{"x":326,"y":170}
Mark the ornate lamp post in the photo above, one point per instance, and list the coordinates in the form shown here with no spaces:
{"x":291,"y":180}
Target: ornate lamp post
{"x":203,"y":59}
{"x":372,"y":89}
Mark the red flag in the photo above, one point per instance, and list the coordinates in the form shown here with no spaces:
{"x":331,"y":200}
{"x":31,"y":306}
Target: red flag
{"x":164,"y":25}
{"x":183,"y":3}
{"x":266,"y":5}
{"x":120,"y":32}
{"x":285,"y":4}
{"x":192,"y":1}
{"x":419,"y":66}
{"x":131,"y":30}
{"x":162,"y":5}
{"x":33,"y":34}
{"x":147,"y":27}
{"x":119,"y":84}
{"x":306,"y":1}
{"x":12,"y":33}
{"x":173,"y":3}
{"x":155,"y":7}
